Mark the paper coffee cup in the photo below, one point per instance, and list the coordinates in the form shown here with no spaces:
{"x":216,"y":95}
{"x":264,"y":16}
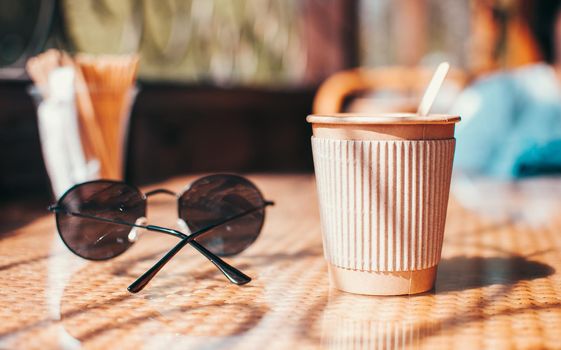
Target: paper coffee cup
{"x":383,"y":184}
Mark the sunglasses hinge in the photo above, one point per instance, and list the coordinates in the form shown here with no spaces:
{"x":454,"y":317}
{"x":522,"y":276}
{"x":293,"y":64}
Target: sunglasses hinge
{"x":53,"y":208}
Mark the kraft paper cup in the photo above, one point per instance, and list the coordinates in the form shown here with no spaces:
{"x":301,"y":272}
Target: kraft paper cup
{"x":383,"y":184}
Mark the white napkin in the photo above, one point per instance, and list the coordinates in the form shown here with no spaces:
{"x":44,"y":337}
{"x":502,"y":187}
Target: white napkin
{"x":60,"y":136}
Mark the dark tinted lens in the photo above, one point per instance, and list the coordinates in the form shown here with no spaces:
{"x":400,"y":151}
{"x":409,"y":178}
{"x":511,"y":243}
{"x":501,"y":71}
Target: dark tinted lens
{"x":218,"y":197}
{"x":92,"y":239}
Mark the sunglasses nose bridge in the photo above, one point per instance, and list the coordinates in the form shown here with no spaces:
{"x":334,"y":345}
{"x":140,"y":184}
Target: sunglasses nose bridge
{"x":183,"y":226}
{"x":135,"y":232}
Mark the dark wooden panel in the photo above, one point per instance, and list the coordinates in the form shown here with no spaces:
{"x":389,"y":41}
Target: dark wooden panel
{"x":176,"y":130}
{"x":21,"y":163}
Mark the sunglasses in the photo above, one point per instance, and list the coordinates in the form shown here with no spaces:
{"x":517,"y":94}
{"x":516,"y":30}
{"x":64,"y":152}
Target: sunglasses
{"x":223,"y":214}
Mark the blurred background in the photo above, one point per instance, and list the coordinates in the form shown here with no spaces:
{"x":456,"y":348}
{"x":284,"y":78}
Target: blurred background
{"x":226,"y":85}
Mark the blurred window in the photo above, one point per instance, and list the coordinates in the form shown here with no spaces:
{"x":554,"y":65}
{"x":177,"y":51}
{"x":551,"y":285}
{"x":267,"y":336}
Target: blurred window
{"x":412,"y":32}
{"x":221,"y":41}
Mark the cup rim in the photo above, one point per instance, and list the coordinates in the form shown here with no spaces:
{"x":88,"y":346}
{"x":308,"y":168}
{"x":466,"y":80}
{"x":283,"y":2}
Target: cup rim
{"x":382,"y":118}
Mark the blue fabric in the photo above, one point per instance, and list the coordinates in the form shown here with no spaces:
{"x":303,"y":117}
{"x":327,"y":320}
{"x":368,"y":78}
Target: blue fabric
{"x":513,"y":125}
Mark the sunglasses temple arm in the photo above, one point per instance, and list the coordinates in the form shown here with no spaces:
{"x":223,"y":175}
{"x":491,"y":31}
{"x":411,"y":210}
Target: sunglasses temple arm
{"x":197,"y":233}
{"x":233,"y":274}
{"x":118,"y":222}
{"x":143,"y":280}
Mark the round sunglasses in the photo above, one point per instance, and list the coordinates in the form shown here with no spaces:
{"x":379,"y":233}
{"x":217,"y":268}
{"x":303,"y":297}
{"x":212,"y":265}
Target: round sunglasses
{"x":223,"y":213}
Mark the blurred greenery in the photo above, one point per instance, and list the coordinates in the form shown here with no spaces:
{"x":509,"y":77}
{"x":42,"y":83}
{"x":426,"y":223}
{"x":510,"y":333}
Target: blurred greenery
{"x":221,"y":41}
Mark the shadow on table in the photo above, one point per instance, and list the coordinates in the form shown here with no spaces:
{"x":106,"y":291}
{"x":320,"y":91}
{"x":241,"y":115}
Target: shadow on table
{"x":461,"y":272}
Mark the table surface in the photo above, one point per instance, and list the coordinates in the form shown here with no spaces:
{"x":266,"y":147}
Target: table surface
{"x":498,"y":284}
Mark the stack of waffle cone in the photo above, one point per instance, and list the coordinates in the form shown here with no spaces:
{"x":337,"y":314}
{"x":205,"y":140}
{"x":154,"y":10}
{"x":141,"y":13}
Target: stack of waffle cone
{"x":110,"y":81}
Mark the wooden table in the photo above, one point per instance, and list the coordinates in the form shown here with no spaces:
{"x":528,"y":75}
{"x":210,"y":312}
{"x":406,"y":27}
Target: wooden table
{"x":498,"y":286}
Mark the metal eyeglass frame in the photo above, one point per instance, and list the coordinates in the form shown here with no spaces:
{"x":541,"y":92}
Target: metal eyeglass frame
{"x":234,"y":275}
